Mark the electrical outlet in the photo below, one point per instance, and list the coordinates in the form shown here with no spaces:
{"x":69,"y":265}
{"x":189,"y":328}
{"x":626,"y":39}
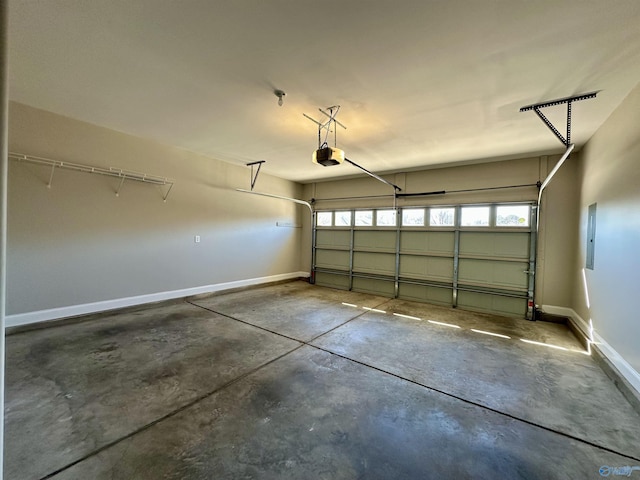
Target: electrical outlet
{"x":196,"y":239}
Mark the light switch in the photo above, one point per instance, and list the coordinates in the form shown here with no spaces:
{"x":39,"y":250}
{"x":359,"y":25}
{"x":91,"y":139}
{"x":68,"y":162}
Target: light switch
{"x":196,"y":239}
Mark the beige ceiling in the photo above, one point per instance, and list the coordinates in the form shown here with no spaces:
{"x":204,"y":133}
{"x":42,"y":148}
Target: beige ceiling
{"x":419,"y":82}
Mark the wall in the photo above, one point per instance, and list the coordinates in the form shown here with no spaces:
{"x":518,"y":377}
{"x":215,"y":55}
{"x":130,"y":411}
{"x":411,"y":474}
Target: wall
{"x":558,"y":223}
{"x":559,"y":206}
{"x":76,"y":247}
{"x":610,"y":177}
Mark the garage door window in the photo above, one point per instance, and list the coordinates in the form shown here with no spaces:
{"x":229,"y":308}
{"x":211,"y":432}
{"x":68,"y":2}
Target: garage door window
{"x":323,"y":219}
{"x":442,"y":217}
{"x":386,"y":218}
{"x":474,"y":216}
{"x":343,"y":219}
{"x":512,"y":216}
{"x":364,"y":218}
{"x":413,"y":217}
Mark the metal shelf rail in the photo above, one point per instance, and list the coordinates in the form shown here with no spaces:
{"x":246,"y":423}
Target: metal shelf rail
{"x":110,"y":172}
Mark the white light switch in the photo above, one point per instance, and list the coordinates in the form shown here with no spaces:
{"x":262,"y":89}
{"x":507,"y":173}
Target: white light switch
{"x":196,"y":239}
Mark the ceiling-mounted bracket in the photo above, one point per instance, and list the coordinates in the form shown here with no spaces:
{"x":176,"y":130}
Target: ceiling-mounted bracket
{"x":333,"y":111}
{"x":254,"y":178}
{"x":566,"y":141}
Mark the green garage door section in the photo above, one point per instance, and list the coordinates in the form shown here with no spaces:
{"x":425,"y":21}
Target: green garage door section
{"x":427,"y":242}
{"x":427,"y":255}
{"x":340,"y":239}
{"x":332,"y":252}
{"x":476,"y":257}
{"x":426,"y":268}
{"x":493,"y":273}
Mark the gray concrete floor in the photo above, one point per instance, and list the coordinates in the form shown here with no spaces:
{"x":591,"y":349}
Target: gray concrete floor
{"x":297,"y":381}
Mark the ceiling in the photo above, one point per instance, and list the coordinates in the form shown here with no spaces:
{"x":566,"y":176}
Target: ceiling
{"x":420,"y":83}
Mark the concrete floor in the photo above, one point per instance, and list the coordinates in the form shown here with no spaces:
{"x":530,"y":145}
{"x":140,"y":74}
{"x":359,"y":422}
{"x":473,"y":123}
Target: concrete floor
{"x":287,"y":381}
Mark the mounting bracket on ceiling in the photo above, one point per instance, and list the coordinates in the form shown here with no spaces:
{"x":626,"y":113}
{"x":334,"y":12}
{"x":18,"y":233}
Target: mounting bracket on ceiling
{"x":333,"y":111}
{"x":566,"y":141}
{"x":254,"y":178}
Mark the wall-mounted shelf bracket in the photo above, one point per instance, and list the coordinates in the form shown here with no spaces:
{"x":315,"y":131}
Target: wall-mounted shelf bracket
{"x":110,"y":172}
{"x":119,"y":187}
{"x":53,"y":170}
{"x":566,"y":141}
{"x":254,"y":178}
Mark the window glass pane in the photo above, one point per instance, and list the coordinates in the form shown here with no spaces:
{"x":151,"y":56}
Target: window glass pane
{"x":441,"y":217}
{"x":386,"y":218}
{"x":413,"y":217}
{"x":474,"y":216}
{"x":343,"y":219}
{"x":512,"y":216}
{"x":323,"y":219}
{"x":364,"y":218}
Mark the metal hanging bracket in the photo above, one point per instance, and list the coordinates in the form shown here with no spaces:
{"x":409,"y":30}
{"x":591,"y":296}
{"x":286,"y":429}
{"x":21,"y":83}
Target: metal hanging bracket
{"x":566,"y":141}
{"x":333,"y":111}
{"x":254,"y":178}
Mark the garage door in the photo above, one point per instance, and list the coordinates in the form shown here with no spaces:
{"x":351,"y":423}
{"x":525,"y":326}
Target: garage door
{"x":477,"y":257}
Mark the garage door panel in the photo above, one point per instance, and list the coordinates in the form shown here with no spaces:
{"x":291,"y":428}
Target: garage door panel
{"x":375,"y":240}
{"x":334,"y":259}
{"x":483,"y":302}
{"x":486,"y":264}
{"x":440,"y":243}
{"x":378,"y":263}
{"x":493,"y":273}
{"x":433,"y":268}
{"x":424,"y":293}
{"x":331,"y":280}
{"x":333,"y":238}
{"x":374,"y":286}
{"x":495,"y":244}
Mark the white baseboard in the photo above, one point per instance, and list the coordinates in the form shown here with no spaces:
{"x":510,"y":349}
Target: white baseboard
{"x":102,"y":306}
{"x":562,"y":311}
{"x":626,"y":370}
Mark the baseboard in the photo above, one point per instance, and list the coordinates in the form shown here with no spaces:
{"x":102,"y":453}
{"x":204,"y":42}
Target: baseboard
{"x":20,"y":319}
{"x":562,"y":311}
{"x":615,"y":362}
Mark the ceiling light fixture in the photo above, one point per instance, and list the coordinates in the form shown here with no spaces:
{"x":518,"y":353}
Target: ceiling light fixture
{"x":280,"y":94}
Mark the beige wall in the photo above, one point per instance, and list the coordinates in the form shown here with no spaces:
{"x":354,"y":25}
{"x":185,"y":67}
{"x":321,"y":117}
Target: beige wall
{"x":557,"y":238}
{"x":559,"y":206}
{"x":77,"y":243}
{"x":611,"y":178}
